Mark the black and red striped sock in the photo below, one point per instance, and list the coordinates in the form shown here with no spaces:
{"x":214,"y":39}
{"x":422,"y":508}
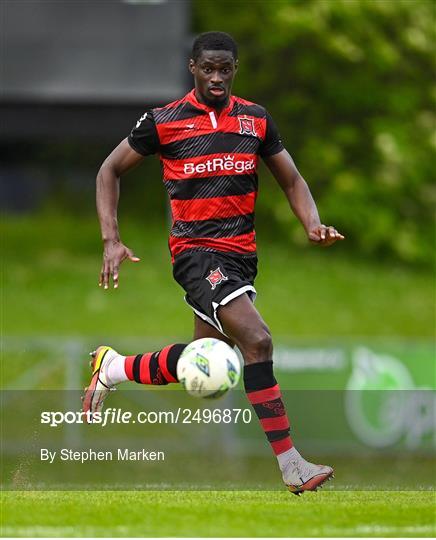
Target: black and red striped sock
{"x":157,"y":368}
{"x":265,"y":396}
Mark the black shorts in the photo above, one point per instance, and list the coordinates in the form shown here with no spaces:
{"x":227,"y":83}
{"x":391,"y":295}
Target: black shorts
{"x":213,"y":279}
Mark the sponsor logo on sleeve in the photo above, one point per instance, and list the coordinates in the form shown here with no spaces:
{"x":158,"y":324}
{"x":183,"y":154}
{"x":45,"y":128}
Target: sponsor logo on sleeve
{"x":139,"y":122}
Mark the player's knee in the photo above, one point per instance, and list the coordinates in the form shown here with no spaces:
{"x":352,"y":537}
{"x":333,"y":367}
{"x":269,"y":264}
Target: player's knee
{"x":258,"y":346}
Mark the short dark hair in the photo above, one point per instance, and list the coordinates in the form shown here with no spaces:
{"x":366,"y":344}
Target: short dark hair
{"x":214,"y":41}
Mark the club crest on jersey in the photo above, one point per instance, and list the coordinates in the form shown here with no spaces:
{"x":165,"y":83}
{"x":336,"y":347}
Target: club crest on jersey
{"x":216,"y":277}
{"x":246,"y":126}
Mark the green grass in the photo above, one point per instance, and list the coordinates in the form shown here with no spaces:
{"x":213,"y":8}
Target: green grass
{"x":215,"y":513}
{"x":51,"y":267}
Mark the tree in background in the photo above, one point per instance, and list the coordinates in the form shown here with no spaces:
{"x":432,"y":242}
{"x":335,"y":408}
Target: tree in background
{"x":351,"y":85}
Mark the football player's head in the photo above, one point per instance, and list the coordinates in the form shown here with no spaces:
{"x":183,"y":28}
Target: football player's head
{"x":213,"y":64}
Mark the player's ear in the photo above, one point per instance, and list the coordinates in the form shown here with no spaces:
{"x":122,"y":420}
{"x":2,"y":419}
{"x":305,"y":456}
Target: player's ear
{"x":191,"y":66}
{"x":236,"y":65}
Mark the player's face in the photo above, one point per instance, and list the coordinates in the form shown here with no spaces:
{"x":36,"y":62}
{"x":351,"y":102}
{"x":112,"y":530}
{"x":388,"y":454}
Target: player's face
{"x":213,"y":73}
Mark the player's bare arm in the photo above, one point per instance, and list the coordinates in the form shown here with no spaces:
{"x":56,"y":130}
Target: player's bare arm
{"x":300,"y":199}
{"x":122,"y":159}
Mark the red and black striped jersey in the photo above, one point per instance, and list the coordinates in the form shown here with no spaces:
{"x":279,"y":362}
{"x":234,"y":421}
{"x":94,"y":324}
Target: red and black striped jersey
{"x":209,"y":163}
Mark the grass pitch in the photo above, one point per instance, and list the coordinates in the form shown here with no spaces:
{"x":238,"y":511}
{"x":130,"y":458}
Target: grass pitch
{"x":218,"y":513}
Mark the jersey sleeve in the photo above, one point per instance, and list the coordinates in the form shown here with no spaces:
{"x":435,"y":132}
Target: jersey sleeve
{"x":144,"y":138}
{"x":272,"y":143}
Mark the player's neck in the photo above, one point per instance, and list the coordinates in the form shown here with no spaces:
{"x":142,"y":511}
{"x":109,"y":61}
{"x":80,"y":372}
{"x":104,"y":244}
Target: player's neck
{"x":218,"y":107}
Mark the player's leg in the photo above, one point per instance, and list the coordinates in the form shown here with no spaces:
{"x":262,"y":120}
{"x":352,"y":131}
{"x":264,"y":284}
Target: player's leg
{"x":243,"y":324}
{"x":110,"y":368}
{"x":202,"y":329}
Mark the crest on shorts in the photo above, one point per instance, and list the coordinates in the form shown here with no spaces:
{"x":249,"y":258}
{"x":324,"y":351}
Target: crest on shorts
{"x":216,"y":277}
{"x":246,"y":126}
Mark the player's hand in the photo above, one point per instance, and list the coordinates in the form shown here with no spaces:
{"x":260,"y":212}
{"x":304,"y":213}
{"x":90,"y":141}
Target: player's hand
{"x":114,"y":254}
{"x":324,"y":236}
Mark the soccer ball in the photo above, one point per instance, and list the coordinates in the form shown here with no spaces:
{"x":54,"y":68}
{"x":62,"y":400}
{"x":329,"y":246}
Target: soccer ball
{"x":208,"y":368}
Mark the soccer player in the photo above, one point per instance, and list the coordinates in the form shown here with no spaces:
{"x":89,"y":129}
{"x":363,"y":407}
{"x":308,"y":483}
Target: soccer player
{"x":209,"y":143}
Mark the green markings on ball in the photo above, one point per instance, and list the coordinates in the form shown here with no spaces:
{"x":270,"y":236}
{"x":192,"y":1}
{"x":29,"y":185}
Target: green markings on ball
{"x":203,"y":364}
{"x":232,"y":373}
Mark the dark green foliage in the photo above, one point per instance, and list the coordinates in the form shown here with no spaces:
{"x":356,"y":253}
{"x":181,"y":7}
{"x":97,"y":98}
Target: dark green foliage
{"x":351,"y":85}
